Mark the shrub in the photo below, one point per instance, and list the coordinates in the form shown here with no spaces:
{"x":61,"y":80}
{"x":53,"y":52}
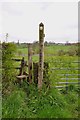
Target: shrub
{"x":8,"y":72}
{"x":19,"y":53}
{"x":73,"y":51}
{"x":35,"y":48}
{"x":61,"y":52}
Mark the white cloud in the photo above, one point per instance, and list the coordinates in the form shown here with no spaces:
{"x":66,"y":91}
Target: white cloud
{"x":39,"y":0}
{"x":21,"y":20}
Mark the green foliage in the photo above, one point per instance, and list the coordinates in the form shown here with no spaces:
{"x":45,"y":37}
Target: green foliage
{"x":8,"y":50}
{"x":15,"y":105}
{"x":72,"y":99}
{"x":61,"y":52}
{"x":35,"y":47}
{"x":73,"y":51}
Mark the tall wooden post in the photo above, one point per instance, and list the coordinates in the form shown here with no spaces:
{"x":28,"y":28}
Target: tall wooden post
{"x":41,"y":55}
{"x":30,"y":62}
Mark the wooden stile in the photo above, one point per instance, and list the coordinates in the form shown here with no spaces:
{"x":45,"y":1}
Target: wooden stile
{"x":22,"y":73}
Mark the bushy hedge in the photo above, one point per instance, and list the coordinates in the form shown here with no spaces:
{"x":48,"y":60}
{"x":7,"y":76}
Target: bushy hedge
{"x":8,"y":50}
{"x":72,"y":51}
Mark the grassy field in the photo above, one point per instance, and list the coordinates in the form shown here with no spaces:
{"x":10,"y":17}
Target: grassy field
{"x":57,"y":56}
{"x":26,"y":102}
{"x":50,"y":52}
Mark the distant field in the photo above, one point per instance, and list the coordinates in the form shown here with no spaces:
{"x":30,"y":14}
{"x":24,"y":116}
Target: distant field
{"x":48,"y":50}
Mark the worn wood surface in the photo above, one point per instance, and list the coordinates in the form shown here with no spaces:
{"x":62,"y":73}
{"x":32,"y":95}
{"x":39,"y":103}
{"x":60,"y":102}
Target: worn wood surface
{"x":41,"y":55}
{"x":21,"y":76}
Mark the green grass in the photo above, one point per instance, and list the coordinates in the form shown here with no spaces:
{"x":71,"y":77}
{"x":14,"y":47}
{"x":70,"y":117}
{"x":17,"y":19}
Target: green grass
{"x":32,"y":104}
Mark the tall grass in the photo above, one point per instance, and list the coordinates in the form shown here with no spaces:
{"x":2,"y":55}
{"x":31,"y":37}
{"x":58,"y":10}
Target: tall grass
{"x":29,"y":103}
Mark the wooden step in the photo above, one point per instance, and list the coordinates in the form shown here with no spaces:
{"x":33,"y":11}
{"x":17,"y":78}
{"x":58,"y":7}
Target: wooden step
{"x":21,"y":76}
{"x":60,"y":86}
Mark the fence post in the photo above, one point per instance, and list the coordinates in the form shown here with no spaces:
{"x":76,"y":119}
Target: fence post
{"x":30,"y":62}
{"x":22,"y":65}
{"x":41,"y":55}
{"x":35,"y":72}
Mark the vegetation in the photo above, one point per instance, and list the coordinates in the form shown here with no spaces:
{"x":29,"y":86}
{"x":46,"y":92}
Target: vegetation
{"x":8,"y":72}
{"x":26,"y":101}
{"x":47,"y":104}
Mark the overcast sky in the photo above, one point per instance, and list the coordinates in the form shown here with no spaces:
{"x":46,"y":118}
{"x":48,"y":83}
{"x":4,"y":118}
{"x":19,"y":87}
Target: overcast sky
{"x":21,"y":21}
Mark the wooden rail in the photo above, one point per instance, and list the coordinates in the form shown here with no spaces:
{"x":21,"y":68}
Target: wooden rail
{"x":67,"y":78}
{"x":68,"y":82}
{"x":70,"y":78}
{"x":69,"y":74}
{"x":21,"y":76}
{"x":60,"y":86}
{"x":65,"y":69}
{"x":66,"y":62}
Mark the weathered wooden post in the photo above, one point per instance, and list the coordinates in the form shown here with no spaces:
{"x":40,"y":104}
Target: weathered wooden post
{"x":30,"y":63}
{"x":35,"y":72}
{"x":41,"y":55}
{"x":22,"y":65}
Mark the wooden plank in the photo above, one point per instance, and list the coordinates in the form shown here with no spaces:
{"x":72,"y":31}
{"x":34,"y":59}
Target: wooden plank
{"x":70,"y":78}
{"x":65,"y":69}
{"x":68,"y":82}
{"x":21,"y":76}
{"x":60,"y":86}
{"x":66,"y":62}
{"x":69,"y":74}
{"x":75,"y":62}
